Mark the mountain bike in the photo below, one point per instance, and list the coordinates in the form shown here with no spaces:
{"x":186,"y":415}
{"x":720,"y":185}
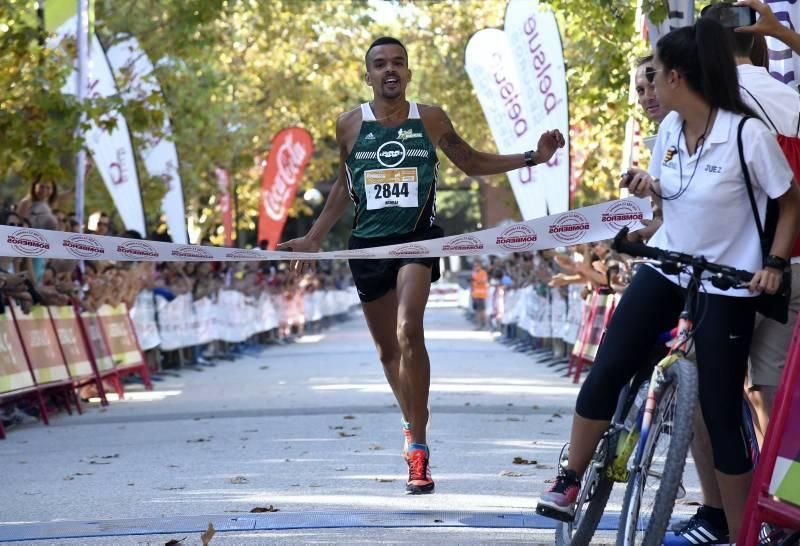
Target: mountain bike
{"x":667,"y":421}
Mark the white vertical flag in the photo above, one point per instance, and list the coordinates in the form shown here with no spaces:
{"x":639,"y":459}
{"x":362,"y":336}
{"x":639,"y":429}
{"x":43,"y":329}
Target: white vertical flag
{"x":535,"y":41}
{"x":489,"y":61}
{"x":159,"y":155}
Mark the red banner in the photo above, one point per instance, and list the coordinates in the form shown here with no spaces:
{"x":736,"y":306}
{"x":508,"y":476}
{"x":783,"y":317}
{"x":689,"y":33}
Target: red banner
{"x":288,"y":157}
{"x":224,"y":185}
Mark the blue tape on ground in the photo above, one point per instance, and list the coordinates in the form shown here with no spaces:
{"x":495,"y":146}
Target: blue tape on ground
{"x":277,"y":521}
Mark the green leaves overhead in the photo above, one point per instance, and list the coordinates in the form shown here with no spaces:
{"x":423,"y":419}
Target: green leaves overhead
{"x":234,"y":72}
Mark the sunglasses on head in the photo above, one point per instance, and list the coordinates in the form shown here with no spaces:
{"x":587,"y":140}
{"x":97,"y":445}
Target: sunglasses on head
{"x":14,"y":224}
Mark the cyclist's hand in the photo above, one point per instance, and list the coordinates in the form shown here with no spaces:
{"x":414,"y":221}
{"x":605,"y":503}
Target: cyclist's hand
{"x":638,"y":182}
{"x":767,"y":280}
{"x":301,"y":244}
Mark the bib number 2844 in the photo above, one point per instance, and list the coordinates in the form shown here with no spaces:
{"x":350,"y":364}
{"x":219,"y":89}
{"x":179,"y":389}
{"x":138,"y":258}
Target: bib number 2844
{"x":391,"y":188}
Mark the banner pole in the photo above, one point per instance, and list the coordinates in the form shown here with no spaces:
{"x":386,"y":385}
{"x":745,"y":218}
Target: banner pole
{"x":82,"y":37}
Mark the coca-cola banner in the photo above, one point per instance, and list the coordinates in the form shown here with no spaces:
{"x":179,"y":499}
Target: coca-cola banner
{"x":290,"y":153}
{"x":111,"y":150}
{"x":224,"y":186}
{"x":784,"y":64}
{"x":680,"y":14}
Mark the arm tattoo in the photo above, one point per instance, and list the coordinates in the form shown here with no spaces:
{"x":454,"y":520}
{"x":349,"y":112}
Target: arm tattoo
{"x":455,"y":147}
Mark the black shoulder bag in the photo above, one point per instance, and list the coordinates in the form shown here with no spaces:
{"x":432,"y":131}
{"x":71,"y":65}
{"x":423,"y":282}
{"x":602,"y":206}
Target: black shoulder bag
{"x":774,"y":306}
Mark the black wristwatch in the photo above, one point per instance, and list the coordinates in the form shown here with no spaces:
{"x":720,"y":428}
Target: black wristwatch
{"x":776,"y":262}
{"x":529,"y":160}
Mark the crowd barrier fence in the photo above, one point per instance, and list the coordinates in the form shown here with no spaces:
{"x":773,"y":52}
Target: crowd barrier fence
{"x":55,"y":350}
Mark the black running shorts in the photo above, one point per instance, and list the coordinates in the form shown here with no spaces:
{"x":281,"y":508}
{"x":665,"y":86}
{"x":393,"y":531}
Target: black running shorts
{"x":375,"y":278}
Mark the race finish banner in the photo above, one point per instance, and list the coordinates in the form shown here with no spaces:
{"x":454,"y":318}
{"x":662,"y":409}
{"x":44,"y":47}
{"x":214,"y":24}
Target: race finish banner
{"x":135,"y":74}
{"x":784,"y":64}
{"x":585,"y":225}
{"x":288,"y":157}
{"x":111,"y":150}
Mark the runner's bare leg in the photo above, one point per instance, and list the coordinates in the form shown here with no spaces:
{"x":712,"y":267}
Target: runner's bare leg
{"x":381,"y":316}
{"x":413,"y":288}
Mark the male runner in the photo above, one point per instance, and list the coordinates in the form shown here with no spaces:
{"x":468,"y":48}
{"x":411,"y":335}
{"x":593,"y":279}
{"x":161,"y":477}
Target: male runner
{"x":389,"y":168}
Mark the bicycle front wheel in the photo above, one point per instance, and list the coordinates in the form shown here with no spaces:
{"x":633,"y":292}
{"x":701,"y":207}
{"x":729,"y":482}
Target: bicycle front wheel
{"x":593,"y":498}
{"x":653,"y":484}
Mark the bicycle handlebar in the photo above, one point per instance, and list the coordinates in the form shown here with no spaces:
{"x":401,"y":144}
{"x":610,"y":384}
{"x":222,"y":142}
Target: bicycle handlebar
{"x":671,"y":262}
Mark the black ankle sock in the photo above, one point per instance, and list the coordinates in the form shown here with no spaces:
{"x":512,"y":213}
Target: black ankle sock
{"x":715,"y":516}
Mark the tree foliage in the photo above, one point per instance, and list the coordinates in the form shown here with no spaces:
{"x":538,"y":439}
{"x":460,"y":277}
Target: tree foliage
{"x":235,"y":72}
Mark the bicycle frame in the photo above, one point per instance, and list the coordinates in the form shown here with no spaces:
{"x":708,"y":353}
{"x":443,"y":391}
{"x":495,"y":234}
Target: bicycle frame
{"x":619,"y":470}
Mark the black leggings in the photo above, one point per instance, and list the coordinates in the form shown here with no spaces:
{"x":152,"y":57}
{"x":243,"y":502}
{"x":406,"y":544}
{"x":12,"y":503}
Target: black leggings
{"x":724,"y":327}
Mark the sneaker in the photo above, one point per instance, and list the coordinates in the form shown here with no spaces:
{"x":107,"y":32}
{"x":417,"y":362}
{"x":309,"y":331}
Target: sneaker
{"x":706,"y":514}
{"x":419,"y":472}
{"x":698,"y":531}
{"x":407,"y":433}
{"x":558,"y":502}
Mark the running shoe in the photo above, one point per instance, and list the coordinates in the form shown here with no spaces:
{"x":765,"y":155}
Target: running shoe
{"x":419,"y":472}
{"x":407,"y":433}
{"x":558,"y":502}
{"x":698,"y":531}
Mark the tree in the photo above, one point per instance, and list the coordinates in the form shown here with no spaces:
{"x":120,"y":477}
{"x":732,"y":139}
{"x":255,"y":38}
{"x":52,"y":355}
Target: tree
{"x":233,"y":73}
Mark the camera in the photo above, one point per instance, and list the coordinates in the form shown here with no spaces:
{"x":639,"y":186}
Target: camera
{"x":730,"y":16}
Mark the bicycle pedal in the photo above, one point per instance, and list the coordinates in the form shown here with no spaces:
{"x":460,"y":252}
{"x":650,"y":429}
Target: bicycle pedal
{"x":552,"y":513}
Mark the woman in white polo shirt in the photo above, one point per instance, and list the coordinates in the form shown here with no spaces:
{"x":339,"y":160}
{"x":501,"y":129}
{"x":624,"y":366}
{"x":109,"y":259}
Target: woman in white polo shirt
{"x":696,"y":174}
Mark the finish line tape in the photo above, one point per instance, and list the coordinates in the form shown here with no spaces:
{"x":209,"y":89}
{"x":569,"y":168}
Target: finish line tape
{"x":584,"y":225}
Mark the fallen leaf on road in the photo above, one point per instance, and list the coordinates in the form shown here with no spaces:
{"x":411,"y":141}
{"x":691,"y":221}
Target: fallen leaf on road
{"x":345,"y":434}
{"x":264,"y":368}
{"x":208,"y":535}
{"x":375,"y":447}
{"x":97,"y":462}
{"x":511,"y":474}
{"x":384,"y":480}
{"x":438,"y":521}
{"x":337,"y":428}
{"x":114,"y":456}
{"x":509,"y":404}
{"x":198,"y":440}
{"x":355,"y":428}
{"x":172,"y":466}
{"x":130,"y":484}
{"x":549,"y":421}
{"x":68,"y":478}
{"x":174,"y":542}
{"x":467,"y":403}
{"x":295,"y":485}
{"x":239,"y":480}
{"x":348,"y":417}
{"x":557,"y":415}
{"x":261,"y":509}
{"x":513,"y":419}
{"x":520,"y":460}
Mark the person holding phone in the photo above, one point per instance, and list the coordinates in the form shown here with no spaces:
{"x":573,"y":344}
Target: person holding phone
{"x":769,"y":25}
{"x":697,"y":174}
